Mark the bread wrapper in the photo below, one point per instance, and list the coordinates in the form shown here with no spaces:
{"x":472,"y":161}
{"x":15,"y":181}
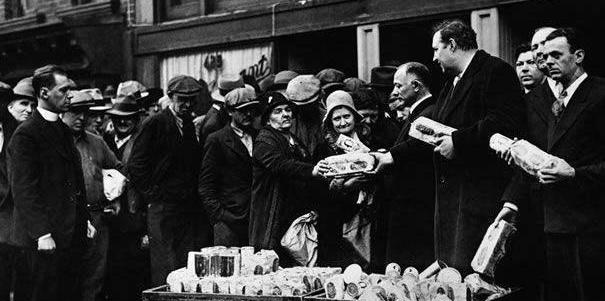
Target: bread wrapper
{"x":335,"y":287}
{"x":348,"y":165}
{"x":492,"y":248}
{"x":350,"y":145}
{"x":181,"y":280}
{"x":428,"y":130}
{"x":481,"y":290}
{"x":525,"y":155}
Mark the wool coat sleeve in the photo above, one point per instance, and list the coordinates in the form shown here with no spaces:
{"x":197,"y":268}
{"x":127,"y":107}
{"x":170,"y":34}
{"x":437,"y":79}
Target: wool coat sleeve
{"x":504,"y":112}
{"x":273,"y":158}
{"x":140,"y":163}
{"x":209,"y":177}
{"x":593,"y":175}
{"x":24,"y":176}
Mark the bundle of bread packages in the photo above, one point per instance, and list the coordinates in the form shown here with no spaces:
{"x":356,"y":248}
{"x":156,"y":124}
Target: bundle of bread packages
{"x":436,"y":283}
{"x":240,"y":271}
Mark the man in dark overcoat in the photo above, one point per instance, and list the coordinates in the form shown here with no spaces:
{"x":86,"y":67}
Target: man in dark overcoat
{"x":164,"y":166}
{"x":226,"y":176}
{"x":45,"y":176}
{"x":481,"y":98}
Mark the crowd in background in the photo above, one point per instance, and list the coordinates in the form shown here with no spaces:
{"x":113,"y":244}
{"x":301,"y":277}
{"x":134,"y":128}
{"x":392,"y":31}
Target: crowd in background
{"x":237,"y":166}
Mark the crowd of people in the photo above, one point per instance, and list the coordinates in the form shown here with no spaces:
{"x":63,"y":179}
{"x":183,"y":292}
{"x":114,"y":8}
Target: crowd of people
{"x":241,"y":171}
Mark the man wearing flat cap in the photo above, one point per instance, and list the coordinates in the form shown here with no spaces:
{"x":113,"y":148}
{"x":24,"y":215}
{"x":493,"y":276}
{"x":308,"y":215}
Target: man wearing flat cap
{"x":217,"y":117}
{"x":226,"y":175}
{"x":164,"y":167}
{"x":95,"y":156}
{"x":305,"y":92}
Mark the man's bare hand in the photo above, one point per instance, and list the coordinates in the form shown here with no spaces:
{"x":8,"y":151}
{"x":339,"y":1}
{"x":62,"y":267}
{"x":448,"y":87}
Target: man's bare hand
{"x":47,"y":244}
{"x":91,"y":231}
{"x":558,"y":171}
{"x":383,"y":160}
{"x":445,"y":146}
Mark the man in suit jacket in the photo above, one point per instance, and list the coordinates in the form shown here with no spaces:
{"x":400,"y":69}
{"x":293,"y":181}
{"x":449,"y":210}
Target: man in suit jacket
{"x":411,"y":211}
{"x":482,"y":98}
{"x":226,"y":175}
{"x":572,"y":187}
{"x":164,"y":166}
{"x":45,"y":176}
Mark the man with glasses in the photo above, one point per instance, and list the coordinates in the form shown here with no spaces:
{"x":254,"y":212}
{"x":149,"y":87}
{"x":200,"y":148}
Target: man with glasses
{"x":164,"y":166}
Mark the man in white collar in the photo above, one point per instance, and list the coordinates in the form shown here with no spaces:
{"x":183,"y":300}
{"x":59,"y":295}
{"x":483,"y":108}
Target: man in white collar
{"x":572,"y":186}
{"x":413,"y":177}
{"x":50,"y":217}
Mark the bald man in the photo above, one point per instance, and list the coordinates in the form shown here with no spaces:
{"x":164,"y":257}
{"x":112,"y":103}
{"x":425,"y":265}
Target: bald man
{"x":412,"y":208}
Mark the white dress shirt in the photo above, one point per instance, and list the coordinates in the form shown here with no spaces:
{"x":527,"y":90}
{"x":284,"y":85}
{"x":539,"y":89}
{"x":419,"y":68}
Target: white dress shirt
{"x":571,"y":89}
{"x":244,"y":137}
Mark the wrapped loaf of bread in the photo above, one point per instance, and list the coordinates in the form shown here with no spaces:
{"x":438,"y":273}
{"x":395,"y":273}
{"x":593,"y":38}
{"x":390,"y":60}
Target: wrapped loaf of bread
{"x":428,"y":130}
{"x":335,"y":287}
{"x":350,"y":164}
{"x":481,"y":289}
{"x":492,"y":248}
{"x":350,"y":145}
{"x":525,"y":155}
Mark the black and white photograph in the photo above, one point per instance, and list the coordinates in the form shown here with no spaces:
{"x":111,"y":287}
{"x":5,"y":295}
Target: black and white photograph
{"x":302,"y":150}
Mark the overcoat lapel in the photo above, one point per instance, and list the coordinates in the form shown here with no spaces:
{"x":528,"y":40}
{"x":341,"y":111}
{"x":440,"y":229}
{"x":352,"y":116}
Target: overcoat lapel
{"x":577,"y":104}
{"x":234,"y":143}
{"x":464,"y":85}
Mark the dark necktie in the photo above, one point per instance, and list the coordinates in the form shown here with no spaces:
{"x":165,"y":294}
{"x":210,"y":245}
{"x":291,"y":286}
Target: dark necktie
{"x":559,"y":105}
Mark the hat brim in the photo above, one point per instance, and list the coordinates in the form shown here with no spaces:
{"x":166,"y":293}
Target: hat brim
{"x":246,"y":104}
{"x":355,"y":112}
{"x":384,"y":86}
{"x":115,"y":112}
{"x":216,"y":95}
{"x":99,"y":108}
{"x":312,"y":100}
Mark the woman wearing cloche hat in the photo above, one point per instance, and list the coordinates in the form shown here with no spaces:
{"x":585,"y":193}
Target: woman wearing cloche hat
{"x":345,"y":133}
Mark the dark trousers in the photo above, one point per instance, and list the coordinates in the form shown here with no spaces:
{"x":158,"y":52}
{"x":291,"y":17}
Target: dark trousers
{"x":230,"y":235}
{"x":94,"y":261}
{"x":128,"y":268}
{"x":574,"y":266}
{"x":54,"y":276}
{"x":174,"y":231}
{"x":13,"y":274}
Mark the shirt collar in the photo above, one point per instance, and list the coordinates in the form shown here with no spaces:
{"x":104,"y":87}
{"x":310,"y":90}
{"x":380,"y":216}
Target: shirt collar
{"x":414,"y":105}
{"x":48,"y":115}
{"x":459,"y":76}
{"x":179,"y":120}
{"x":552,"y":84}
{"x":239,"y":132}
{"x":573,"y":87}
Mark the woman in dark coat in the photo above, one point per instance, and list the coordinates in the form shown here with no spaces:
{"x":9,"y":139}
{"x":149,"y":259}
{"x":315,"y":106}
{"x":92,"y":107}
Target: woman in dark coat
{"x":340,"y":202}
{"x":282,"y":171}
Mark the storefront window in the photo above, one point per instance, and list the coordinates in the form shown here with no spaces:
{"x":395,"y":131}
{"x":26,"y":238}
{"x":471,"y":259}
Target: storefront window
{"x":180,"y":9}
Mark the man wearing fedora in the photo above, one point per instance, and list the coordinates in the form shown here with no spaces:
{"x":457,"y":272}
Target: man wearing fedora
{"x":305,"y":92}
{"x":95,"y":156}
{"x":216,"y":118}
{"x":128,"y":264}
{"x":226,"y":175}
{"x":164,"y":166}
